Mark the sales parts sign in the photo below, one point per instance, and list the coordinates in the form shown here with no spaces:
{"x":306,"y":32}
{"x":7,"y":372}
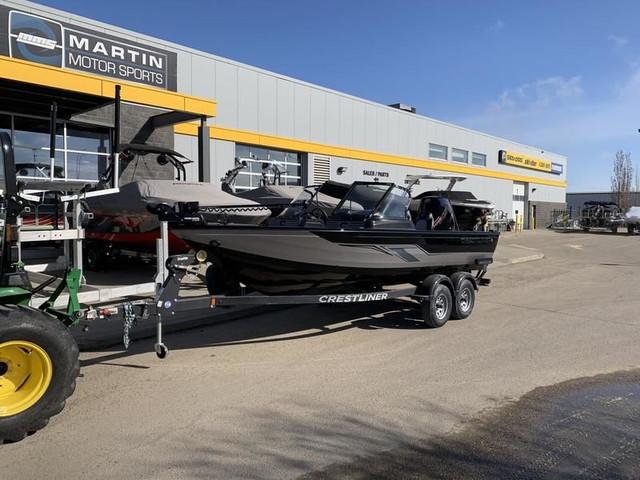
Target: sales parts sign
{"x":37,"y":39}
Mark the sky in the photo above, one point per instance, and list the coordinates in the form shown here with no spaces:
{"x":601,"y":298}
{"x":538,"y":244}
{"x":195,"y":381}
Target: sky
{"x":563,"y":75}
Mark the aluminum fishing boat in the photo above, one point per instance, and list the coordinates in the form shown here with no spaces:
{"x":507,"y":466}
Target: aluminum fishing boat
{"x":369,"y":239}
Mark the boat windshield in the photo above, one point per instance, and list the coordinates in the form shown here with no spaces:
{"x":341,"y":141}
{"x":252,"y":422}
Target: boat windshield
{"x":324,"y":197}
{"x":299,"y":204}
{"x":364,"y":199}
{"x":396,"y":204}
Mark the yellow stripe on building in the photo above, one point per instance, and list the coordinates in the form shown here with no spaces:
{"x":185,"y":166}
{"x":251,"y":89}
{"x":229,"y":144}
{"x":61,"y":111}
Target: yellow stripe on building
{"x":48,"y":76}
{"x":264,"y":140}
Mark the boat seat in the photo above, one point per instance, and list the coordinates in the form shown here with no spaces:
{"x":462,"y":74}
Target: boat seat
{"x":425,"y":223}
{"x":436,"y":213}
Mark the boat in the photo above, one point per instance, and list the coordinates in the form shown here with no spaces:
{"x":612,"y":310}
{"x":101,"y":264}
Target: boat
{"x":632,"y":219}
{"x":368,"y":240}
{"x":471,"y":213}
{"x":122,"y":225}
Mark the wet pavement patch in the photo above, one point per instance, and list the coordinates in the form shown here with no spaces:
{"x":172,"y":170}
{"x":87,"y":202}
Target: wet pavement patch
{"x":585,"y":429}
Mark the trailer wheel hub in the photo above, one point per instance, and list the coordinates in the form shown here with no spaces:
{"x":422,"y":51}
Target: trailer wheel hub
{"x":25,"y":374}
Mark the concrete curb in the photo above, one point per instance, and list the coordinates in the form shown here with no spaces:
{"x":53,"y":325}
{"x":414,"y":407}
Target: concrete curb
{"x":528,"y":258}
{"x":514,"y":261}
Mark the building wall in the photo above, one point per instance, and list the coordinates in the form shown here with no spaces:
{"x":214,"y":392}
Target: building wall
{"x":544,"y":211}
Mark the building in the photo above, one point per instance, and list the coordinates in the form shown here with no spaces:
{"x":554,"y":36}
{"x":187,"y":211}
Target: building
{"x":216,"y":109}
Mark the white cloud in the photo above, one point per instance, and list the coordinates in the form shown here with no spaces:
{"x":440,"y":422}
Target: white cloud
{"x":556,"y":114}
{"x":496,"y":27}
{"x":539,"y":94}
{"x":618,"y":42}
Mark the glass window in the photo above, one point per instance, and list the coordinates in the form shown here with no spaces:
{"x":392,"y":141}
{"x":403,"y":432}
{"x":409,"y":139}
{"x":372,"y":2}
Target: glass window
{"x":458,"y":155}
{"x":81,"y":155}
{"x":479,"y":159}
{"x":88,"y":139}
{"x":262,"y":165}
{"x":84,"y":166}
{"x":242,"y":151}
{"x":438,"y":151}
{"x":34,"y":133}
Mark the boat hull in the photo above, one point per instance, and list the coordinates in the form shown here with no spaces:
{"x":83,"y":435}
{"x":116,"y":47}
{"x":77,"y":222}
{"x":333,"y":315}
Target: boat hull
{"x":284,"y":260}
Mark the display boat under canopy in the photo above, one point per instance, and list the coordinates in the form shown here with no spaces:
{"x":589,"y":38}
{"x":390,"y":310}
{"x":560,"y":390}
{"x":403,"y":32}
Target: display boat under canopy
{"x":369,"y":239}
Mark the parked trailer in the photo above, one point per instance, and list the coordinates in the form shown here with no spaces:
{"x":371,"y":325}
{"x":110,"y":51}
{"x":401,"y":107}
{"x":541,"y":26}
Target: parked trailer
{"x":601,"y":215}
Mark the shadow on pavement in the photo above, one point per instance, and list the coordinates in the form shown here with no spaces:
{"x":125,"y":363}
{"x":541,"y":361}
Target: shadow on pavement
{"x":282,"y":325}
{"x":583,"y":429}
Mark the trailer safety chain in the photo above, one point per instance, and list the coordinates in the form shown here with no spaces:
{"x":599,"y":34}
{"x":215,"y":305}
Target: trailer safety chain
{"x":129,"y":322}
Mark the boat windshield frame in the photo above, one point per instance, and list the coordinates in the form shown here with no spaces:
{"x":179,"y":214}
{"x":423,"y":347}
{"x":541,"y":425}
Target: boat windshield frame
{"x":367,"y":210}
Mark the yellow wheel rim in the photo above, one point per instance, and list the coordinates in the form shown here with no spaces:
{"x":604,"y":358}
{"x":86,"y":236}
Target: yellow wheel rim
{"x":25,"y":375}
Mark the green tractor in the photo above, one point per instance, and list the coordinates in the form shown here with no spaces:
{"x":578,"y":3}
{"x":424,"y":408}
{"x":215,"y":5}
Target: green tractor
{"x":38,"y":356}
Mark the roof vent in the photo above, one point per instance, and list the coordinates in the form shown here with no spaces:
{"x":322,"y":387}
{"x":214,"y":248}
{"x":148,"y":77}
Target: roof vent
{"x":404,"y":107}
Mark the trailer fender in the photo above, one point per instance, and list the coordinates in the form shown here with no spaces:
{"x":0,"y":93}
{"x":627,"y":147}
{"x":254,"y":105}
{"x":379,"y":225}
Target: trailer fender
{"x":429,"y":284}
{"x":457,"y":279}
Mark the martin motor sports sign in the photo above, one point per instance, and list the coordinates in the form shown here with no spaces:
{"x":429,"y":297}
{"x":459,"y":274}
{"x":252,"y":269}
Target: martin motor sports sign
{"x":37,"y":39}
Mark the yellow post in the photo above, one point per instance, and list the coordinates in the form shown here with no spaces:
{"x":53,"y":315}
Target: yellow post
{"x":518,"y":223}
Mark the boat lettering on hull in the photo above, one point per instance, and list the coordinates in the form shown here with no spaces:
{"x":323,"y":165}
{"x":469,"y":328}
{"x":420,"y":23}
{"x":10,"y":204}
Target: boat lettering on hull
{"x":362,"y":297}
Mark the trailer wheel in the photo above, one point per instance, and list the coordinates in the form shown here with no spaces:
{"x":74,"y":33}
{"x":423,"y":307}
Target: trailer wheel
{"x":94,"y":257}
{"x":38,"y":370}
{"x":614,"y":230}
{"x":465,"y":300}
{"x":437,"y":310}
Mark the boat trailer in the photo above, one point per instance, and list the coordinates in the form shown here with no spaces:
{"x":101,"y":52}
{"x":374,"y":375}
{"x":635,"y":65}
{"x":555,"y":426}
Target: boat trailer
{"x":439,"y":297}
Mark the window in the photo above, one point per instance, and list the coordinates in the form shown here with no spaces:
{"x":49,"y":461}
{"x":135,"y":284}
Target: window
{"x":458,"y":155}
{"x":479,"y":159}
{"x":438,"y":151}
{"x":518,"y":198}
{"x":261,"y":166}
{"x":81,"y":150}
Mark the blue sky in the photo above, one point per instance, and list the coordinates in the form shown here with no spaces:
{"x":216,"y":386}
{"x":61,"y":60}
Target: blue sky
{"x":560,"y":75}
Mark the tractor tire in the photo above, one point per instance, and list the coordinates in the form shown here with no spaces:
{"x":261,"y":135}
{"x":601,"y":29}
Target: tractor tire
{"x":38,"y":370}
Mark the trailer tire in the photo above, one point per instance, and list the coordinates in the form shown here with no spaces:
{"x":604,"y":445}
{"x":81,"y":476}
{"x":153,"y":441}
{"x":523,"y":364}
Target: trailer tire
{"x":465,"y":300}
{"x":437,"y":310}
{"x":38,"y":370}
{"x":94,"y":258}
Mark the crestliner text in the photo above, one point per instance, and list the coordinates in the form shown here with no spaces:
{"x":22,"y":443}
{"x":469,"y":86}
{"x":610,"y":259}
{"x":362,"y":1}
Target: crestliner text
{"x":359,"y":297}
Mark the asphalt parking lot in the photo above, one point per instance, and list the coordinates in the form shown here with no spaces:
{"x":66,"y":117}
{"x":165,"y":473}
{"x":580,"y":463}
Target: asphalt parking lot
{"x":540,"y":382}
